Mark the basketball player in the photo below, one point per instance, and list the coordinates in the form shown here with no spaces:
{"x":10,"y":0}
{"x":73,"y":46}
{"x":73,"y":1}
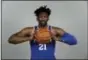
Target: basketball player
{"x":42,"y":49}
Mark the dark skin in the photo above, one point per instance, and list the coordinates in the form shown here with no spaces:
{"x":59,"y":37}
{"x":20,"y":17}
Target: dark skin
{"x":26,"y":34}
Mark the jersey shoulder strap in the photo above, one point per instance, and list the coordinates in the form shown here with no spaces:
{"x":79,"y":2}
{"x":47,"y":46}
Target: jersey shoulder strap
{"x":36,"y":28}
{"x":49,"y":28}
{"x":33,"y":32}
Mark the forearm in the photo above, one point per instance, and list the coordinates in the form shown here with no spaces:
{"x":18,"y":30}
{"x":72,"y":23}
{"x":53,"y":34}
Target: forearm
{"x":68,"y":39}
{"x":16,"y":40}
{"x":64,"y":36}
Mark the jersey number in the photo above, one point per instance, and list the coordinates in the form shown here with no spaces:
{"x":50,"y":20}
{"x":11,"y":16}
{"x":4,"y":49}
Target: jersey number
{"x":42,"y":47}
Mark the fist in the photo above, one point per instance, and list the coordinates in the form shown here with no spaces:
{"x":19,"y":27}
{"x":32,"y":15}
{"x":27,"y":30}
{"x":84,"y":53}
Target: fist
{"x":54,"y":35}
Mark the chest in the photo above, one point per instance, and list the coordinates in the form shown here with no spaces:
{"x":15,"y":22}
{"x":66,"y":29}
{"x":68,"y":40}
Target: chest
{"x":42,"y":32}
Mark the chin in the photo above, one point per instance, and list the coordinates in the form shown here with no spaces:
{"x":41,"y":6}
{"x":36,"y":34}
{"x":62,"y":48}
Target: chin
{"x":43,"y":25}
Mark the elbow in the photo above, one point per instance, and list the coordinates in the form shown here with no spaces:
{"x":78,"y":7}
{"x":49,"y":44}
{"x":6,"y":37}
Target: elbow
{"x":73,"y":42}
{"x":69,"y":39}
{"x":12,"y":42}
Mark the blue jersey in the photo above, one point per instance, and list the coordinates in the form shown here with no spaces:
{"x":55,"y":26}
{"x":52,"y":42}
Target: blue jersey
{"x":42,"y":51}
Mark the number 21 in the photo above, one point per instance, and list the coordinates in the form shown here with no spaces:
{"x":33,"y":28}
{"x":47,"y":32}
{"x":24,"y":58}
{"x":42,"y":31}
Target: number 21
{"x":42,"y":47}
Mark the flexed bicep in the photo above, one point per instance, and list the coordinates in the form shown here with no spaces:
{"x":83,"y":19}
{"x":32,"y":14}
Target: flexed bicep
{"x":21,"y":36}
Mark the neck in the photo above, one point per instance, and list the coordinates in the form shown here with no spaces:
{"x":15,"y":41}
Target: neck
{"x":40,"y":26}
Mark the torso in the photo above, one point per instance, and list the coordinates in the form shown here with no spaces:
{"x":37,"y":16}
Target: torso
{"x":42,"y":51}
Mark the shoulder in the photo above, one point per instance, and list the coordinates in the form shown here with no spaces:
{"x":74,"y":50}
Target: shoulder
{"x":27,"y":29}
{"x":59,"y":30}
{"x":56,"y":28}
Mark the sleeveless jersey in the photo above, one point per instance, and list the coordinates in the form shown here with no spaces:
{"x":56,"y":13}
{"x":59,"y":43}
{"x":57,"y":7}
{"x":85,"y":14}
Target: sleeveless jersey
{"x":42,"y":51}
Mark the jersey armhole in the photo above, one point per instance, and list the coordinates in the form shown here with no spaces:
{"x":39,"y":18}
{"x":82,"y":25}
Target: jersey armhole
{"x":33,"y":31}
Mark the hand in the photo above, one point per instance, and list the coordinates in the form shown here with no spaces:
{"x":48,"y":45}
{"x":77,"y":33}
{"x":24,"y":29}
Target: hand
{"x":53,"y":35}
{"x":31,"y":37}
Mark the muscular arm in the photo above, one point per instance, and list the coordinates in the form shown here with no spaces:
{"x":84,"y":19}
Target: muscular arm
{"x":65,"y":37}
{"x":21,"y":36}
